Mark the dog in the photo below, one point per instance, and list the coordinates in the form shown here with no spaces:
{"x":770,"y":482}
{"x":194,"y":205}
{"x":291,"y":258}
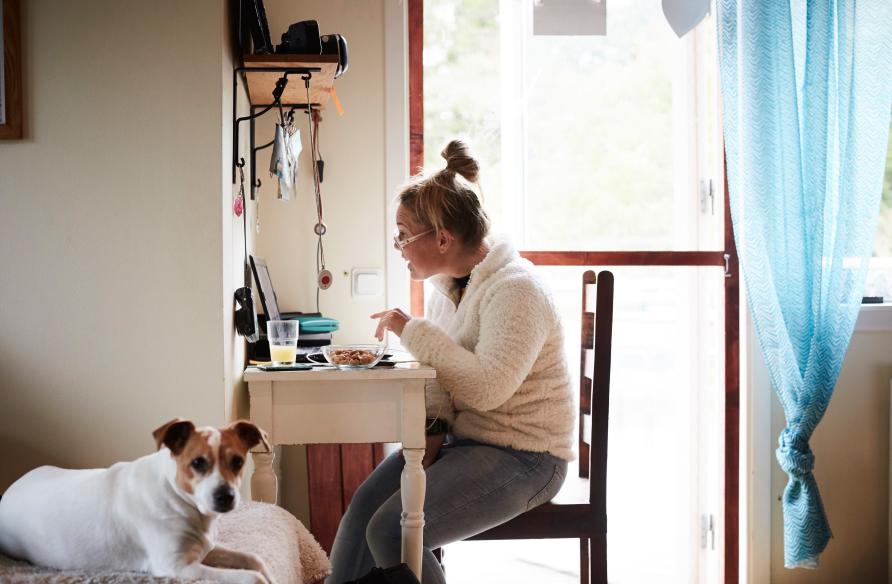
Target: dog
{"x":156,"y":514}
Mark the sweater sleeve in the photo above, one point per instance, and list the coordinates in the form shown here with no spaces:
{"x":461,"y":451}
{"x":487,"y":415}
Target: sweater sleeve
{"x":514,"y":324}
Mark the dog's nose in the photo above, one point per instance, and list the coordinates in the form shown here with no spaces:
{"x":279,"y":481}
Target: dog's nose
{"x":224,"y":498}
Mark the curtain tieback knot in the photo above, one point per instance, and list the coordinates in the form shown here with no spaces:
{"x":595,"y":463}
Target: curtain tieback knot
{"x":794,"y":454}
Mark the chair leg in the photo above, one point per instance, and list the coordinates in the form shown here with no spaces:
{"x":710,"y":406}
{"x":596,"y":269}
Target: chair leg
{"x":439,"y":553}
{"x":583,"y":560}
{"x":598,"y":559}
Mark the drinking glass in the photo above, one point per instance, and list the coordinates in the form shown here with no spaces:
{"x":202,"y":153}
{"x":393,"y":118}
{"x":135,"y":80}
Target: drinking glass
{"x":282,"y":335}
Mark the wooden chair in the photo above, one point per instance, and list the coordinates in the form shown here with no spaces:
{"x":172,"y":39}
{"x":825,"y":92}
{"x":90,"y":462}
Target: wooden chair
{"x":580,"y":509}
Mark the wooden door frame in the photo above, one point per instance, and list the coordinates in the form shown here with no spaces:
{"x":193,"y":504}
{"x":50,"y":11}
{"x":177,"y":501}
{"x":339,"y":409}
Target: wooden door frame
{"x":726,"y":258}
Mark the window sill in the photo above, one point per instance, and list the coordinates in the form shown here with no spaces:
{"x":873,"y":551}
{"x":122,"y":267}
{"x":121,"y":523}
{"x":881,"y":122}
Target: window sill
{"x":874,"y":317}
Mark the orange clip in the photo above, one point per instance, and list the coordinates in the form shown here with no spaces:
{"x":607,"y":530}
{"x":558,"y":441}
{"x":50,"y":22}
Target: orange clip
{"x":337,"y":102}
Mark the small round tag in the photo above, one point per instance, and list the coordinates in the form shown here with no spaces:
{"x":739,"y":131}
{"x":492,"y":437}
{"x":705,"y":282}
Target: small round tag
{"x":325,"y":279}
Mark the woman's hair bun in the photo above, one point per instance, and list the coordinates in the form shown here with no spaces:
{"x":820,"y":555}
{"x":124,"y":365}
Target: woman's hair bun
{"x":459,"y":160}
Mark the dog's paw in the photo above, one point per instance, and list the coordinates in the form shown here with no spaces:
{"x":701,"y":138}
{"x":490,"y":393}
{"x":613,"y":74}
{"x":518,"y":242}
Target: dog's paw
{"x":245,"y":577}
{"x":255,"y":563}
{"x":265,"y":572}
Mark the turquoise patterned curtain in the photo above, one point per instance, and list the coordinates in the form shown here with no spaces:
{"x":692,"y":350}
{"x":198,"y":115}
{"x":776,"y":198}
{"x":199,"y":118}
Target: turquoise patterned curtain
{"x":807,"y":92}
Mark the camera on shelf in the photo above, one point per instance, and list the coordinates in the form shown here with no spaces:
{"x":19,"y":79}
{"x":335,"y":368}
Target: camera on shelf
{"x":302,"y":38}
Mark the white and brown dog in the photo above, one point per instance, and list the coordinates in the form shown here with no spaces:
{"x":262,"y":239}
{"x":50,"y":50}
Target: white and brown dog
{"x":155,"y":514}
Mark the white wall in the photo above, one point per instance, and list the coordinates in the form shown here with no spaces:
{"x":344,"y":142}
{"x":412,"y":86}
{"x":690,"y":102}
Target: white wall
{"x":851,"y":447}
{"x":115,"y":301}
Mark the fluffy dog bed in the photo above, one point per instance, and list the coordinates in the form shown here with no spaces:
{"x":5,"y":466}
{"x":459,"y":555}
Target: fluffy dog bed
{"x":292,"y":554}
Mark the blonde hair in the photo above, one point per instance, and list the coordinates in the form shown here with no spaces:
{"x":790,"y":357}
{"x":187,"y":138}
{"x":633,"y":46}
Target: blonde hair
{"x":444,"y":201}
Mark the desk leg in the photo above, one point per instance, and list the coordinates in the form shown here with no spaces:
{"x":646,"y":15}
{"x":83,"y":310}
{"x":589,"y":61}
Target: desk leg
{"x":412,"y":485}
{"x":264,"y":483}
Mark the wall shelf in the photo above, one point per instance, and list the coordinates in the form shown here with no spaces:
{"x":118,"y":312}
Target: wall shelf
{"x":262,"y":83}
{"x":275,"y":83}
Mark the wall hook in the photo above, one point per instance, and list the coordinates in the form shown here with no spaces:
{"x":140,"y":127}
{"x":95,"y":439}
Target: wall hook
{"x":255,"y":186}
{"x":305,"y":73}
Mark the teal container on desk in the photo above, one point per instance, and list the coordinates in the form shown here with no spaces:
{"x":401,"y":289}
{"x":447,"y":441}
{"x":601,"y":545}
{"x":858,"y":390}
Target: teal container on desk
{"x":316,"y":324}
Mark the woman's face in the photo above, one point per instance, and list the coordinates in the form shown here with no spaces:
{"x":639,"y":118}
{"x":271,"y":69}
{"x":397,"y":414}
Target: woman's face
{"x":422,"y":253}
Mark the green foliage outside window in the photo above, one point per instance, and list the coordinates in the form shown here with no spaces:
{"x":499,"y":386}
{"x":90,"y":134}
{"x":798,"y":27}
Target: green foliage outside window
{"x":597,"y":123}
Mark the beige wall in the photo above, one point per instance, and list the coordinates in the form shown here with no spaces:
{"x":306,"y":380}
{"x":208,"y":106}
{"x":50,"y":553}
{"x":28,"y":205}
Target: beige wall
{"x":851,"y":447}
{"x":353,"y":190}
{"x":233,"y":237}
{"x":116,"y":280}
{"x":115,"y":216}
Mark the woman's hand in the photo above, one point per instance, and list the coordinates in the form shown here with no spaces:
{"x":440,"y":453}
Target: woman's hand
{"x":391,"y":320}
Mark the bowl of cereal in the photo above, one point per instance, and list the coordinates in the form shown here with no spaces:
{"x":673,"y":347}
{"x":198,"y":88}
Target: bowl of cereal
{"x":353,"y":356}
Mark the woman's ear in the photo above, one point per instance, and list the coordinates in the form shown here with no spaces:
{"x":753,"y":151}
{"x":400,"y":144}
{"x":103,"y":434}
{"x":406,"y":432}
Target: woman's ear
{"x":445,"y":239}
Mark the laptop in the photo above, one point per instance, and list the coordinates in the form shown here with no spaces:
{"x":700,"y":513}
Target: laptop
{"x":267,"y":294}
{"x":315,"y":329}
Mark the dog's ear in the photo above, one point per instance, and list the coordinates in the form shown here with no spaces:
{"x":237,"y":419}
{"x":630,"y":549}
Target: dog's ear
{"x":174,"y":435}
{"x":250,"y":435}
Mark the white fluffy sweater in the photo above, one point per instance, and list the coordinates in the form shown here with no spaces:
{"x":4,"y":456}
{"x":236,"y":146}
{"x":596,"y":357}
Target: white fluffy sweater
{"x":502,"y":377}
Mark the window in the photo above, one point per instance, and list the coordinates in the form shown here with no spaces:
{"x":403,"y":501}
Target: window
{"x":879,"y":277}
{"x":607,"y":144}
{"x":595,"y":143}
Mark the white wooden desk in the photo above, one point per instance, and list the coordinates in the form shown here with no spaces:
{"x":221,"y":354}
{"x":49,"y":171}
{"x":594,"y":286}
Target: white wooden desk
{"x":325,"y":406}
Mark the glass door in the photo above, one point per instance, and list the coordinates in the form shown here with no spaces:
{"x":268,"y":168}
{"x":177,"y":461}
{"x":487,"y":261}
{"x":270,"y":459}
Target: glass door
{"x":605,"y":152}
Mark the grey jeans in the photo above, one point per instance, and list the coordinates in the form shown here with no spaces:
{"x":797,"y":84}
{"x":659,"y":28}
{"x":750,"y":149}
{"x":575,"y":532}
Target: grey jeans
{"x":470,"y":488}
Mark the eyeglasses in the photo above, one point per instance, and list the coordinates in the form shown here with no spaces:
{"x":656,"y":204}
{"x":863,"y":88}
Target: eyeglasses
{"x":401,"y":243}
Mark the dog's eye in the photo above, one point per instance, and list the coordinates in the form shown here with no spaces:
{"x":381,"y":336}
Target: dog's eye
{"x":237,"y":463}
{"x":200,"y":464}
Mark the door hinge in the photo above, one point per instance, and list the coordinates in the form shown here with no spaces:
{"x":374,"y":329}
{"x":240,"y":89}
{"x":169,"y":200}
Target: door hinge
{"x":707,"y":196}
{"x":707,"y":531}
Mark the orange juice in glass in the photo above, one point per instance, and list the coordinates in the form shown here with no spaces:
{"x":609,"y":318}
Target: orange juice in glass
{"x":282,"y":335}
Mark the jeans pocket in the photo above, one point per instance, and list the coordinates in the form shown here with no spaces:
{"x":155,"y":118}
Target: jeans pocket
{"x":551,"y":487}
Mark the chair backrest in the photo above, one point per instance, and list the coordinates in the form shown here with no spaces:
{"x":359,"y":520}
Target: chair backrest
{"x":594,"y":383}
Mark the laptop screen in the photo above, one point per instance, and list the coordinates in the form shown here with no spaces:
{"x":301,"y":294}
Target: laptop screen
{"x":267,"y":294}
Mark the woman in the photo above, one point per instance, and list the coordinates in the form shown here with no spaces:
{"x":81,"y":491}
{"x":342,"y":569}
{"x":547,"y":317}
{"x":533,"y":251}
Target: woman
{"x":503,"y":393}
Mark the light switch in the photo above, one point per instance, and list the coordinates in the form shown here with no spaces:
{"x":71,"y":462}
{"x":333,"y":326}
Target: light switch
{"x":367,"y":282}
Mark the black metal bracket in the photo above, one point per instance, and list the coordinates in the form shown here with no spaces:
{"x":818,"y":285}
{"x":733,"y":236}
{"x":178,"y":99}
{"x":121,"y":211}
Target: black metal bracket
{"x":306,"y":74}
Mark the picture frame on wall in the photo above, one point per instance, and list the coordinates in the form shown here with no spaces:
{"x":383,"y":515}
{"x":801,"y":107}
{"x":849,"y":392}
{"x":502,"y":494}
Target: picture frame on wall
{"x":10,"y":71}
